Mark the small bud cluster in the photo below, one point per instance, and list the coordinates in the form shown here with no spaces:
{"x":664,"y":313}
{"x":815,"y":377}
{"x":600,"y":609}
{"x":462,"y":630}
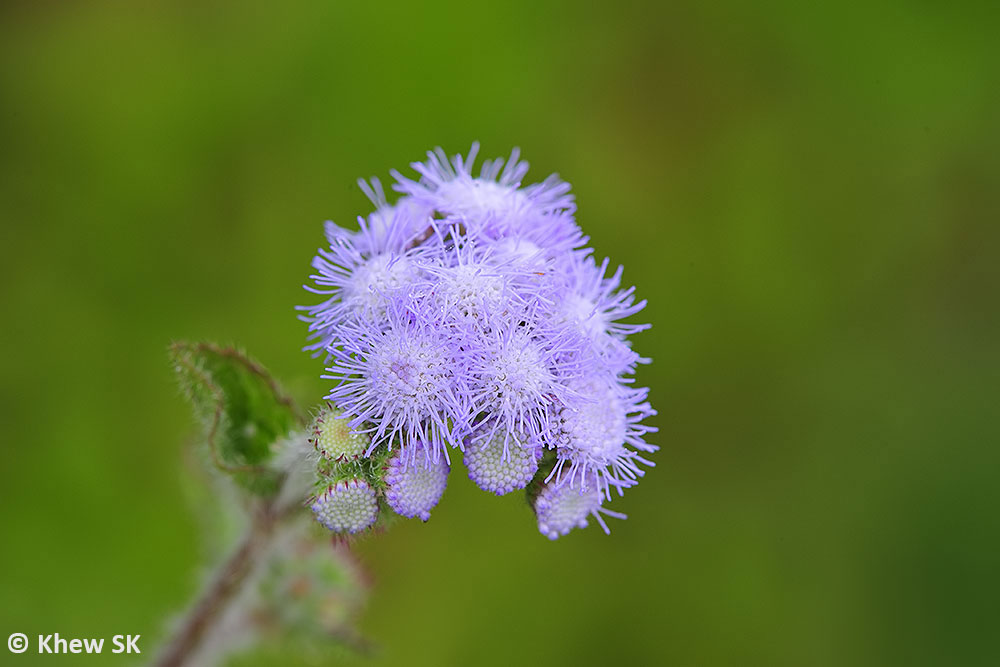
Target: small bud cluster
{"x":469,"y":314}
{"x":353,"y":484}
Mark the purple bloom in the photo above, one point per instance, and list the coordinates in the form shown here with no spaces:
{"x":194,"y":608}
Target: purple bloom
{"x":391,"y":226}
{"x":402,"y":377}
{"x":562,"y":507}
{"x":449,"y":186}
{"x":494,"y":204}
{"x":518,"y":371}
{"x":469,"y":314}
{"x":600,"y":436}
{"x":594,"y":302}
{"x":356,"y":280}
{"x":469,"y":282}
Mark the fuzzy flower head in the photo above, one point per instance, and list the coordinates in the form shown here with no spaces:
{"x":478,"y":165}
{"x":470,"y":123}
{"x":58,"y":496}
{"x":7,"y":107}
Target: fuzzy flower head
{"x":562,"y":507}
{"x":493,"y":202}
{"x":517,"y":372}
{"x":599,"y":436}
{"x":470,"y":282}
{"x":357,"y":281}
{"x":399,"y":377}
{"x":469,"y":314}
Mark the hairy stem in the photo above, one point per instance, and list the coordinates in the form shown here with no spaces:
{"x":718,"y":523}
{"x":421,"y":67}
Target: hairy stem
{"x":211,"y":606}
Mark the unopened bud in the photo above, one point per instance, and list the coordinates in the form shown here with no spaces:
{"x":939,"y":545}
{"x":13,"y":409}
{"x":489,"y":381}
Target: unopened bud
{"x":333,"y":439}
{"x":347,"y":506}
{"x":500,"y":467}
{"x":414,"y":483}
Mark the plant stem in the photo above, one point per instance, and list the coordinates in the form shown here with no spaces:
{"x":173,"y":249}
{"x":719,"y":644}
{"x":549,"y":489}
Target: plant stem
{"x":227,"y":583}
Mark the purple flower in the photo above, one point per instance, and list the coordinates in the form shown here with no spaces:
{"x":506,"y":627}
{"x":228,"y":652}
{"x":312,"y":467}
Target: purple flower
{"x":468,"y":282}
{"x":599,"y":436}
{"x":562,"y":507}
{"x":469,"y":314}
{"x":450,"y":187}
{"x":357,"y":280}
{"x":391,"y":226}
{"x":518,"y":370}
{"x":400,"y":379}
{"x":594,"y":302}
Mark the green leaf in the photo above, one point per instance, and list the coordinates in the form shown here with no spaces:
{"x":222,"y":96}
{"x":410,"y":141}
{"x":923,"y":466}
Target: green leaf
{"x":244,"y":410}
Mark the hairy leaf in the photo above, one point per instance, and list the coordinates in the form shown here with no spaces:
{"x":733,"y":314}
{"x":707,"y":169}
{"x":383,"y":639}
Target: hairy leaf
{"x":243,"y":408}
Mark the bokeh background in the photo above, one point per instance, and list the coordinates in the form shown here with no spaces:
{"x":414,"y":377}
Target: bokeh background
{"x":806,"y":193}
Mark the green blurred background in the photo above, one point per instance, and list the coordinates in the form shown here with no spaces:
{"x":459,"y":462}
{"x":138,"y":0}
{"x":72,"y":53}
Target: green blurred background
{"x":807,"y":195}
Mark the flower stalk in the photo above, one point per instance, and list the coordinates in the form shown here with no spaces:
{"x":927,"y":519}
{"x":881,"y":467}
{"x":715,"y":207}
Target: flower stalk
{"x":210,"y":607}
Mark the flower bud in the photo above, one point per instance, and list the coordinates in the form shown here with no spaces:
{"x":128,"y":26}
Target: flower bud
{"x":333,"y":439}
{"x":414,"y":483}
{"x":348,"y":506}
{"x":500,"y":467}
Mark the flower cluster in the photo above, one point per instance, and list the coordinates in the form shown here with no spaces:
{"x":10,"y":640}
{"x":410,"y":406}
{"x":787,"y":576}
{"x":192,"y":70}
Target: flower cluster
{"x":469,"y":314}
